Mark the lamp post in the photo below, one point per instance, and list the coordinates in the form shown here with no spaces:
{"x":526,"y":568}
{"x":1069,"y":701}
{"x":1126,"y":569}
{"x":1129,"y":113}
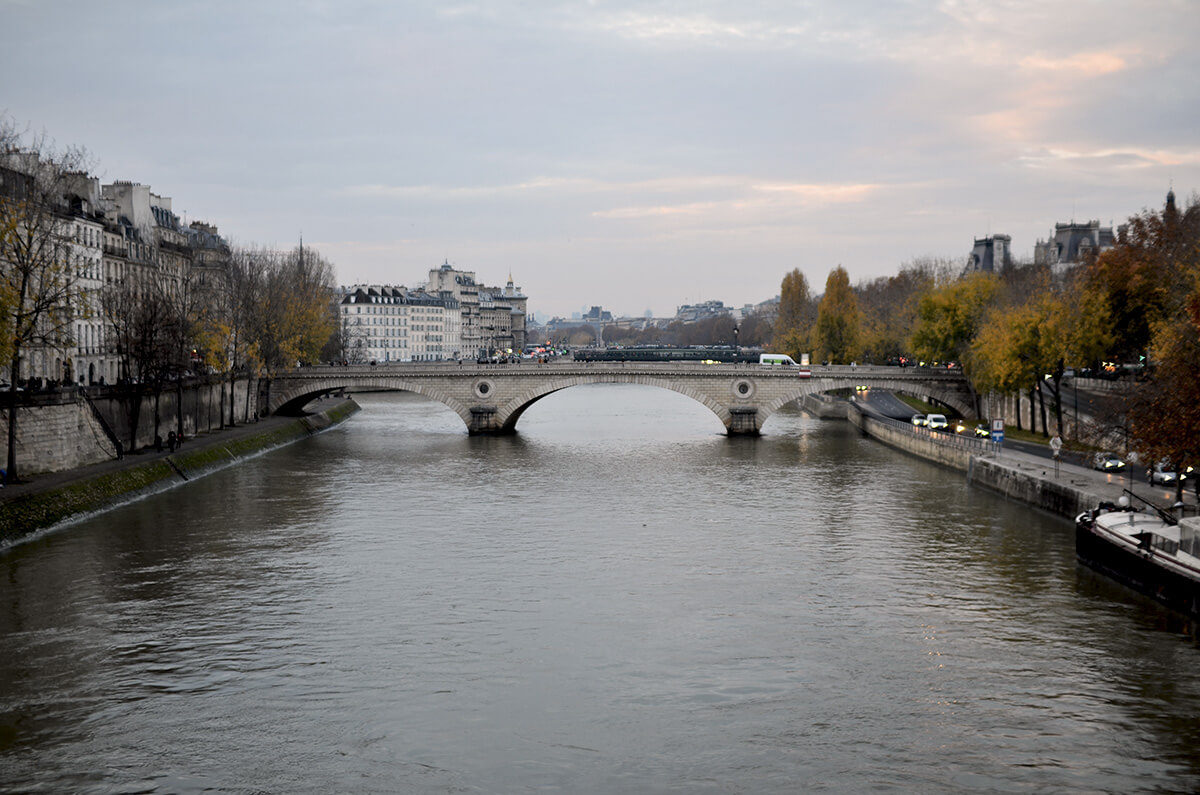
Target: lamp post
{"x":491,"y":341}
{"x":735,"y":343}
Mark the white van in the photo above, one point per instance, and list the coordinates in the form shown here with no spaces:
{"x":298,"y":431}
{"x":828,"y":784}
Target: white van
{"x":777,"y":358}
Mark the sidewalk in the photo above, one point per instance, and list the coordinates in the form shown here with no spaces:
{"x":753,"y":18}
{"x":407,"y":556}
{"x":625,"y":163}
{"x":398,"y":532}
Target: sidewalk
{"x":1109,"y":486}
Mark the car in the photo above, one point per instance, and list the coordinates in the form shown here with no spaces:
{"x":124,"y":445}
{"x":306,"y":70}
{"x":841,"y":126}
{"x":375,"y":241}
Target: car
{"x":1108,"y":462}
{"x":936,"y":422}
{"x":983,"y":431}
{"x":919,"y":421}
{"x":1162,"y":474}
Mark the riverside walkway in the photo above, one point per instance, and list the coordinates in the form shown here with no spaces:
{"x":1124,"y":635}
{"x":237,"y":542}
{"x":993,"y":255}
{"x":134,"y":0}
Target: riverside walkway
{"x":1067,"y":490}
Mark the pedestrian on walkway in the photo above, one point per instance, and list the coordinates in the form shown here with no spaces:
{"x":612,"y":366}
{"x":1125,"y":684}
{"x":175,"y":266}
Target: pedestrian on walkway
{"x":1056,"y":444}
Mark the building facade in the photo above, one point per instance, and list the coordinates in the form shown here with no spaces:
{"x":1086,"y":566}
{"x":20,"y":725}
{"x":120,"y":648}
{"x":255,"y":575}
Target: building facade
{"x":119,"y":236}
{"x":451,"y":317}
{"x":1072,"y":243}
{"x":394,"y":324}
{"x":990,"y":254}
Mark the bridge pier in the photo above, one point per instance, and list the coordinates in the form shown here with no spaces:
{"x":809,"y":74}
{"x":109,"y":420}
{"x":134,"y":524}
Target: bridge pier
{"x":483,"y":422}
{"x":743,"y":421}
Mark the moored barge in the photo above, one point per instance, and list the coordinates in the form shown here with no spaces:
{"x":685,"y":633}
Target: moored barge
{"x":1150,"y":551}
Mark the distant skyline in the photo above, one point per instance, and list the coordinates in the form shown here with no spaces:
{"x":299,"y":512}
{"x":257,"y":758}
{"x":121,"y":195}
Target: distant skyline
{"x":635,"y":155}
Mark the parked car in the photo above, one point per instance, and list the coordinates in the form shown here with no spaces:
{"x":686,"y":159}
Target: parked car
{"x":983,"y":431}
{"x":919,"y":420}
{"x":936,"y":422}
{"x":1162,"y":474}
{"x":1108,"y":462}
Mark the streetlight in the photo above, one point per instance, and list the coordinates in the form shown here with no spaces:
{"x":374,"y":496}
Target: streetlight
{"x":735,"y":343}
{"x":491,"y":341}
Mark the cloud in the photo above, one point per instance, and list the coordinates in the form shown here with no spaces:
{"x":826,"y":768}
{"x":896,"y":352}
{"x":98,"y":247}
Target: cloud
{"x":695,"y":28}
{"x":729,"y":196}
{"x":764,"y":199}
{"x":1080,"y":64}
{"x":826,"y":194}
{"x":1132,"y":157}
{"x":448,"y":192}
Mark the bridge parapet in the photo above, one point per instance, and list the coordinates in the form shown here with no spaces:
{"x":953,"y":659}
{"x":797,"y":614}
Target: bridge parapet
{"x":490,"y":398}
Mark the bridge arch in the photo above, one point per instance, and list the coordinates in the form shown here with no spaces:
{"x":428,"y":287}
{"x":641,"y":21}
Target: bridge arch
{"x":292,"y":399}
{"x":508,"y":415}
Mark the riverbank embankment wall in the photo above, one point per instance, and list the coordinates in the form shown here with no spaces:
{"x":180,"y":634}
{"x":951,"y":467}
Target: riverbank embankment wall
{"x":72,"y":428}
{"x":824,"y":406}
{"x":1028,"y":481}
{"x":120,"y":482}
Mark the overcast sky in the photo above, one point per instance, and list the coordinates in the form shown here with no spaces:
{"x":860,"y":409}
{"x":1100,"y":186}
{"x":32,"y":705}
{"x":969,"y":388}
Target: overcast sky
{"x":636,"y":155}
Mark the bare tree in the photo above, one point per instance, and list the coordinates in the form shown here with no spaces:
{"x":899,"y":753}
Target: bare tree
{"x":188,"y":304}
{"x":38,"y":282}
{"x":229,"y":327}
{"x":138,"y":320}
{"x":347,"y":342}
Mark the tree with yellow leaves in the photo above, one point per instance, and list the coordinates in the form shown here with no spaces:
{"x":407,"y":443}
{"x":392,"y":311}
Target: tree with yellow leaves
{"x":794,"y":322}
{"x":1025,"y":343}
{"x":839,"y":323}
{"x":949,"y":318}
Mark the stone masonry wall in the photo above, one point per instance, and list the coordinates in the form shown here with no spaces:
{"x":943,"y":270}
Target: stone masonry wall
{"x":1032,"y":485}
{"x":54,"y":438}
{"x":68,"y":434}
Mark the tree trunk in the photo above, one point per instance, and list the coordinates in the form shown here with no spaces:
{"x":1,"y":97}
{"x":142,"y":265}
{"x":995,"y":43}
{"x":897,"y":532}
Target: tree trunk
{"x":179,"y":408}
{"x":1056,"y":390}
{"x":10,"y":472}
{"x":1033,"y":412}
{"x":157,"y":413}
{"x":135,"y":416}
{"x":1042,"y":409}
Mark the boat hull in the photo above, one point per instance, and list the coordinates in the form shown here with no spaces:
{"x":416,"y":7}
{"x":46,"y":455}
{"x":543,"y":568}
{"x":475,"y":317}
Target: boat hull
{"x":1138,"y":569}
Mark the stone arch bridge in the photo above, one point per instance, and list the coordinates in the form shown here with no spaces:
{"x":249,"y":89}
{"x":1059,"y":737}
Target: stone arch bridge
{"x":490,"y":398}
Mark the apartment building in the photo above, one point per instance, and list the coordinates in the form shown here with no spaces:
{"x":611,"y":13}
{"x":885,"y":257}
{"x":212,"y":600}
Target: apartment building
{"x":451,"y":317}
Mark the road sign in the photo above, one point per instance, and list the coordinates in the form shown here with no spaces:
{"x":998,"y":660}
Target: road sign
{"x":998,"y":431}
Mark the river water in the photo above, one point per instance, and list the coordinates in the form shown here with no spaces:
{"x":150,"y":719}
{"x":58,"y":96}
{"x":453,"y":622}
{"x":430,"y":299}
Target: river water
{"x":619,"y":599}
